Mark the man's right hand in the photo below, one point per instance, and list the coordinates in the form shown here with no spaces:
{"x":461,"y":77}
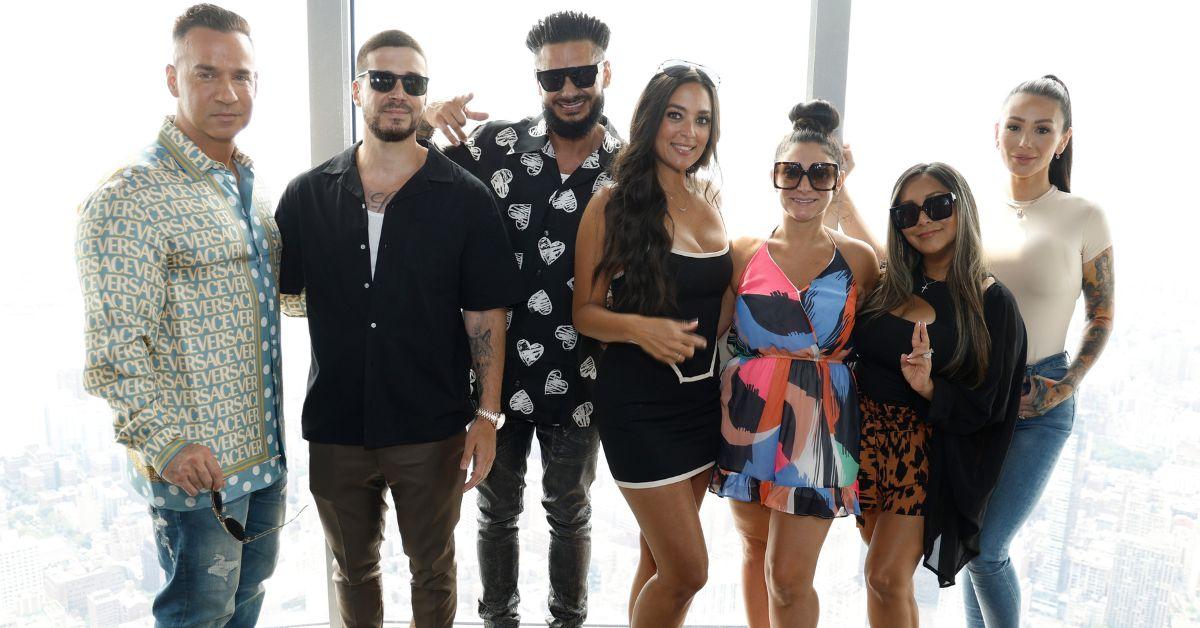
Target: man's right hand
{"x":451,"y":115}
{"x":194,"y":469}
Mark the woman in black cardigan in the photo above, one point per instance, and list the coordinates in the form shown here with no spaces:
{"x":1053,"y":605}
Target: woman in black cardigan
{"x":942,"y":354}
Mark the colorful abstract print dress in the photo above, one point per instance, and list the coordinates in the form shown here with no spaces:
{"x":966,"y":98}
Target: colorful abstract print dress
{"x":789,"y":425}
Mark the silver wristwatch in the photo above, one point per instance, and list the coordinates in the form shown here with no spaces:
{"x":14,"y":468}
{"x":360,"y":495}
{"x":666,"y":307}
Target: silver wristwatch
{"x":495,"y":418}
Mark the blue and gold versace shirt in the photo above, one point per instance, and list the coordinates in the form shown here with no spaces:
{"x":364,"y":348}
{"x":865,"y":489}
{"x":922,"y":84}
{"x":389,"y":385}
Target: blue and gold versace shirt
{"x":177,"y":259}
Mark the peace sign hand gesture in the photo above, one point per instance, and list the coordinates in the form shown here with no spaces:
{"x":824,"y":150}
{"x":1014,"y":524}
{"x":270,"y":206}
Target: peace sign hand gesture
{"x":916,"y":366}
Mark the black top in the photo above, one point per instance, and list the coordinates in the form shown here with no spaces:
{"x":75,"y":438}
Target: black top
{"x":972,"y":426}
{"x":547,"y":374}
{"x":390,"y":359}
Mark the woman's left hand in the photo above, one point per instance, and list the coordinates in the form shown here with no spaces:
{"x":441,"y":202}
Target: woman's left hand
{"x":1043,"y":396}
{"x":917,"y":366}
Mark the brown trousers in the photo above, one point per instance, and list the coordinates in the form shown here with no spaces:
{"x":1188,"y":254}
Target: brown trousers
{"x":348,"y":484}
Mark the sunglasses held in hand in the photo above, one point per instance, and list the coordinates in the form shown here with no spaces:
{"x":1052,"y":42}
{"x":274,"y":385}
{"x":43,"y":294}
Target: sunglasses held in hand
{"x":235,"y":528}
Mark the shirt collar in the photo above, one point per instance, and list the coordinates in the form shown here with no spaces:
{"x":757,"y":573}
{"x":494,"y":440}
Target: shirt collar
{"x":188,"y":154}
{"x":437,"y":167}
{"x":532,"y":135}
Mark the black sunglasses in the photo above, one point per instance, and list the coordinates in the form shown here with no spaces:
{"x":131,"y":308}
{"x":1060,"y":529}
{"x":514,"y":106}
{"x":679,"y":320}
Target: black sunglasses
{"x":235,"y":528}
{"x":676,"y":68}
{"x":937,"y":207}
{"x":822,"y":175}
{"x":582,"y":76}
{"x":383,"y":82}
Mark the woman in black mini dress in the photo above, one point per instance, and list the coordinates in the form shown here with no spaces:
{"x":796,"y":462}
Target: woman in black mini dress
{"x":652,"y":266}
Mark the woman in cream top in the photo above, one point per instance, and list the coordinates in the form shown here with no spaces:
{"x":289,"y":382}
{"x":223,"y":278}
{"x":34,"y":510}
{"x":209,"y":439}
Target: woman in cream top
{"x":1047,"y":246}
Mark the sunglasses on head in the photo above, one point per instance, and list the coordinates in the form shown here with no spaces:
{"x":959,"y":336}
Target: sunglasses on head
{"x":235,"y":528}
{"x":582,"y":76}
{"x":676,"y":68}
{"x":822,"y":176}
{"x":383,"y":82}
{"x":937,"y":207}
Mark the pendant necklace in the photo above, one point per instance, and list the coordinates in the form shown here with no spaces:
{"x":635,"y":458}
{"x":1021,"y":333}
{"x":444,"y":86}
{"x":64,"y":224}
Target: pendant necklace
{"x":672,"y":197}
{"x":928,"y":282}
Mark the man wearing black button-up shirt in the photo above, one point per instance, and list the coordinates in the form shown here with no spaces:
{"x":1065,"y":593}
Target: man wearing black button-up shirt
{"x":404,"y":269}
{"x":542,"y":171}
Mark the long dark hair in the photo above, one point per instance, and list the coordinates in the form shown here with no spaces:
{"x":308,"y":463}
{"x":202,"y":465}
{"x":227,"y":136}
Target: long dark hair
{"x":637,"y":241}
{"x":968,"y":271}
{"x":1052,"y":87}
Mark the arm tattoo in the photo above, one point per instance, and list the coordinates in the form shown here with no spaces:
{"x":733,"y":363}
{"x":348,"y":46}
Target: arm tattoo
{"x":480,"y":340}
{"x":1098,"y":297}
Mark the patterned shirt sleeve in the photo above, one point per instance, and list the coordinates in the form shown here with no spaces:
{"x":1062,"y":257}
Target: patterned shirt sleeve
{"x":122,"y":263}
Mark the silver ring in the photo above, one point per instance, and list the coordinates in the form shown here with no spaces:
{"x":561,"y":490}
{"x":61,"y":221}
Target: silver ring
{"x":928,"y":354}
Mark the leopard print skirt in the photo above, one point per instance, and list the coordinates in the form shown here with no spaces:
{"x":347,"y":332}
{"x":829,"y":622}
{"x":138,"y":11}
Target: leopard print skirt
{"x":893,"y":459}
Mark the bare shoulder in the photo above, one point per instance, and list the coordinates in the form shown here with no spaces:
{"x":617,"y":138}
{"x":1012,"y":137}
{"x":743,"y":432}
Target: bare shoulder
{"x":859,"y":255}
{"x":743,"y":247}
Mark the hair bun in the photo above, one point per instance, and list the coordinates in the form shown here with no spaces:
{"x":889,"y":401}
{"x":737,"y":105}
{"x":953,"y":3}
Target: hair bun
{"x":1056,"y":80}
{"x":818,"y":115}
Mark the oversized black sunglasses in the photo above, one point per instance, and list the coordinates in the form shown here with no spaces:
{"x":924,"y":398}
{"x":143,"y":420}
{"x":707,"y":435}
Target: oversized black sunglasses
{"x":383,"y":82}
{"x":822,"y":176}
{"x":235,"y":528}
{"x":937,"y":207}
{"x":582,"y":76}
{"x":676,"y":68}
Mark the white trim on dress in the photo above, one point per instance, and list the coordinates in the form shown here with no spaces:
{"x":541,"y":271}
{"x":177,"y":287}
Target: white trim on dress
{"x":664,"y":482}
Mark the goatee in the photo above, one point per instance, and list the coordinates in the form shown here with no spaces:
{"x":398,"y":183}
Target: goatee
{"x":393,"y":134}
{"x":573,"y":129}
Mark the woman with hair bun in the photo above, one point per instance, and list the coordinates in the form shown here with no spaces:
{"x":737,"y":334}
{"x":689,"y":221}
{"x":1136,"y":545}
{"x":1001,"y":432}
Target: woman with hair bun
{"x":1047,"y":245}
{"x":941,"y":352}
{"x":788,"y":458}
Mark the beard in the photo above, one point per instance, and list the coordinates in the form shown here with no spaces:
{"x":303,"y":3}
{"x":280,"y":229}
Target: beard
{"x":574,"y":129}
{"x":393,"y":134}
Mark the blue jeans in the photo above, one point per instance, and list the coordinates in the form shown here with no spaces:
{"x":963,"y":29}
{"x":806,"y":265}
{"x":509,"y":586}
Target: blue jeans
{"x":568,"y":467}
{"x":991,"y":590}
{"x":212,"y":579}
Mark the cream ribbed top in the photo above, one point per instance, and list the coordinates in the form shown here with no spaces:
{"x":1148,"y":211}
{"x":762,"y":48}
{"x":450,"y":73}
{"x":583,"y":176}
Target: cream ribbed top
{"x":1037,"y":249}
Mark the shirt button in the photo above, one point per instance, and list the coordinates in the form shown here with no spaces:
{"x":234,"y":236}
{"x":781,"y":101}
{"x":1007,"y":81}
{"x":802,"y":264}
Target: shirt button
{"x":362,"y":246}
{"x":372,"y":325}
{"x":367,"y":285}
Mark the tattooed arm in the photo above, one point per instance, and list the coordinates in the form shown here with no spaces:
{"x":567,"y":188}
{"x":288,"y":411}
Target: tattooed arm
{"x":1100,"y":302}
{"x":485,"y":334}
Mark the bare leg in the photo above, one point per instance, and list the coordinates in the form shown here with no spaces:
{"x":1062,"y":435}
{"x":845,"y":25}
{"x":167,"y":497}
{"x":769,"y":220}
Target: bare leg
{"x":753,"y":523}
{"x":645,"y":569}
{"x":793,"y":547}
{"x":895,"y":552}
{"x":669,"y":517}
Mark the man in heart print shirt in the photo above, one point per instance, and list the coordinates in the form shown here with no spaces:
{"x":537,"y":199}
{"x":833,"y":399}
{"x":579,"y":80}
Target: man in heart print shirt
{"x":542,"y":170}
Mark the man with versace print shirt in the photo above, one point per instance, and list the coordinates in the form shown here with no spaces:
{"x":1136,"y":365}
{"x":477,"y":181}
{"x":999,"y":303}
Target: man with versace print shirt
{"x":543,"y":171}
{"x":177,"y":255}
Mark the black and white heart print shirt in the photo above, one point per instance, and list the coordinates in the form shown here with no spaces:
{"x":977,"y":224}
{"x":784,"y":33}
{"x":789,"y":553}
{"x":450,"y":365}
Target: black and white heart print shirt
{"x":548,"y":368}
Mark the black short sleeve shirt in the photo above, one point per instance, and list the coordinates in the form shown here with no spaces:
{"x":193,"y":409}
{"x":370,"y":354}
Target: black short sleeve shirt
{"x":548,"y":368}
{"x":390,"y":358}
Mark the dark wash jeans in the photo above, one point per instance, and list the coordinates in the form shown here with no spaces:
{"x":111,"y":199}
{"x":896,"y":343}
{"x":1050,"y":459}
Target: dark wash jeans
{"x":568,"y":467}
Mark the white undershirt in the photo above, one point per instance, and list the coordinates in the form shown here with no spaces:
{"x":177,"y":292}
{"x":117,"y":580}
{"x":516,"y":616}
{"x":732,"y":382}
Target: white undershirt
{"x":374,"y":228}
{"x":564,"y":176}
